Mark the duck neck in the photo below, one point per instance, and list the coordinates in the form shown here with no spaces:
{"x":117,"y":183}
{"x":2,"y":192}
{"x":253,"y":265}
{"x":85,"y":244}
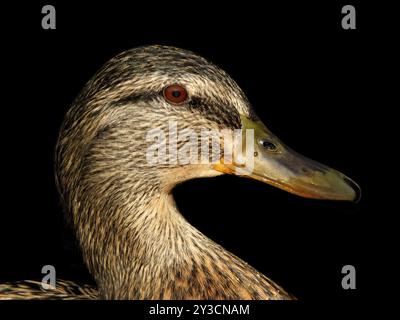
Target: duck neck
{"x":143,"y":248}
{"x":144,"y":244}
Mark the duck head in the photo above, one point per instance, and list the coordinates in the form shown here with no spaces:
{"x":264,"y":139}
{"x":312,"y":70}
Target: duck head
{"x":135,"y":131}
{"x":156,"y":99}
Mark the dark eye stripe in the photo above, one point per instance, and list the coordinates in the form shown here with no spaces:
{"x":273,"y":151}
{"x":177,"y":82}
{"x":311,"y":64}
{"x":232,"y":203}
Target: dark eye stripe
{"x":136,"y":97}
{"x":218,"y":112}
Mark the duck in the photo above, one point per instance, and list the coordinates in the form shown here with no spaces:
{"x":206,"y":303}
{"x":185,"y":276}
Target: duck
{"x":117,"y":194}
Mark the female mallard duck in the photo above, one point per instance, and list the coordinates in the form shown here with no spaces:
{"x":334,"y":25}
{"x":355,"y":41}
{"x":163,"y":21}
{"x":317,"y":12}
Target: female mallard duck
{"x":134,"y":241}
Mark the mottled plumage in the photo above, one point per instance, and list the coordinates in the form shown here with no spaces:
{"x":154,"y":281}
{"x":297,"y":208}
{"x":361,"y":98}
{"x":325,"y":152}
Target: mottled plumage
{"x":33,"y":290}
{"x":134,"y":241}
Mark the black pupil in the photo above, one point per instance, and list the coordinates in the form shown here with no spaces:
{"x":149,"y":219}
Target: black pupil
{"x":176,"y":94}
{"x":268,"y":145}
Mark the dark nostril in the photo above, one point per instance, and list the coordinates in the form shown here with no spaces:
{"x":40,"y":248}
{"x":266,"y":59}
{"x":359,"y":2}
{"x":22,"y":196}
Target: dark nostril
{"x":355,"y":187}
{"x":268,"y":145}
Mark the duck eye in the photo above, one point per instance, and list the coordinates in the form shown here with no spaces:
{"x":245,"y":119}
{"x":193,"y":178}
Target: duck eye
{"x":175,"y":94}
{"x":268,"y":145}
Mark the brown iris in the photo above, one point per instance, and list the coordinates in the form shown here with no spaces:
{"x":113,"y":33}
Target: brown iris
{"x":175,"y":94}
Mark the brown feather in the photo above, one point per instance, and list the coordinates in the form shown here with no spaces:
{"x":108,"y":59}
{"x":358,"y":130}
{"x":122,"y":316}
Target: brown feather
{"x":135,"y":242}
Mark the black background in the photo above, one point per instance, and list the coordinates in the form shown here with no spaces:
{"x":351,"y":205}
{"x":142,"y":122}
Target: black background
{"x":309,"y":80}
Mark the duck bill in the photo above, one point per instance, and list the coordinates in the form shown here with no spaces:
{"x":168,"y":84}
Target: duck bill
{"x":268,"y":160}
